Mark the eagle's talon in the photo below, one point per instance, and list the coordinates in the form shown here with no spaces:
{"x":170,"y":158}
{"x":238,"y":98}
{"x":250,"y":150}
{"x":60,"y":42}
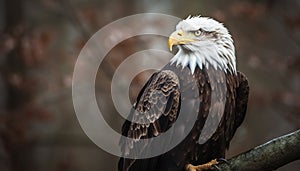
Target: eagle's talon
{"x":222,"y":160}
{"x":190,"y":167}
{"x":216,"y":167}
{"x":207,"y":166}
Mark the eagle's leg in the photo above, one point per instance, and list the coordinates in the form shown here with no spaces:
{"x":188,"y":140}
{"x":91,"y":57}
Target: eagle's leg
{"x":206,"y":166}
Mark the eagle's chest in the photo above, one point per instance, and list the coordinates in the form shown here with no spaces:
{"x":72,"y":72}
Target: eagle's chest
{"x":203,"y":101}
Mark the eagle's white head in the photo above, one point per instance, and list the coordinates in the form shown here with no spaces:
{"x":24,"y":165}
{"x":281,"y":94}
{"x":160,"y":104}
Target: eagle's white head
{"x":203,"y":42}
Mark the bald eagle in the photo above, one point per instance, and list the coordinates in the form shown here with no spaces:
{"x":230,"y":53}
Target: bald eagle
{"x":205,"y":62}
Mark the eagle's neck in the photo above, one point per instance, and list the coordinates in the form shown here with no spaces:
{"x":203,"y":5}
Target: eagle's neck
{"x":206,"y":57}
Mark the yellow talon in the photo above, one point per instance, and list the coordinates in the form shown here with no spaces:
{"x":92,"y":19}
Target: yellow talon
{"x":201,"y":167}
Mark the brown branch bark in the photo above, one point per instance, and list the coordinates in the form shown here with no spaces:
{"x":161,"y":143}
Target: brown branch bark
{"x":269,"y":156}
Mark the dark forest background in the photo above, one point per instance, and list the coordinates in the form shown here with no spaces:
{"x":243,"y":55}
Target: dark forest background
{"x":41,"y":39}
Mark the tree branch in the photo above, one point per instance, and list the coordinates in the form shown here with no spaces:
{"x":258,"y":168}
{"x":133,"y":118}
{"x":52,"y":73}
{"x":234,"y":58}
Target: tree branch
{"x":269,"y":156}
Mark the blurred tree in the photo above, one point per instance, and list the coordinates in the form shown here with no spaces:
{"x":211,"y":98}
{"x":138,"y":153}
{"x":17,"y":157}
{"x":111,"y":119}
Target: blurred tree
{"x":20,"y":109}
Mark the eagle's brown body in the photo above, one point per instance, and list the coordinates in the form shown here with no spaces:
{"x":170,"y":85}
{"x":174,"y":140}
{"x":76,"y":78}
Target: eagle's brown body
{"x":170,"y":83}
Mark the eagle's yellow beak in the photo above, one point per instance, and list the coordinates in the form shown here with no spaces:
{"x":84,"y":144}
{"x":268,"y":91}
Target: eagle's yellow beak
{"x":179,"y":37}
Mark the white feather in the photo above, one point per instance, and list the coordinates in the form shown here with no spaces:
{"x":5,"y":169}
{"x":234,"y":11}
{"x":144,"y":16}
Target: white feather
{"x":192,"y":63}
{"x":185,"y":61}
{"x":199,"y":62}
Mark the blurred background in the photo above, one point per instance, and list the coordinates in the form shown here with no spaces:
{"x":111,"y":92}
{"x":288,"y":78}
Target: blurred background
{"x":40,"y":41}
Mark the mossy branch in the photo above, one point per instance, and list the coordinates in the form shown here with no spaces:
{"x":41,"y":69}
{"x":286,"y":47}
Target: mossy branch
{"x":269,"y":156}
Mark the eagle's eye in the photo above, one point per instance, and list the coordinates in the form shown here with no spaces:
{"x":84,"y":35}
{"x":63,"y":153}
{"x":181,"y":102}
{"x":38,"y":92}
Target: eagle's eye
{"x":197,"y":33}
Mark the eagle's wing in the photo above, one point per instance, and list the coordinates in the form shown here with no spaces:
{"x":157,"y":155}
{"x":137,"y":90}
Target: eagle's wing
{"x":154,"y":112}
{"x":240,"y":99}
